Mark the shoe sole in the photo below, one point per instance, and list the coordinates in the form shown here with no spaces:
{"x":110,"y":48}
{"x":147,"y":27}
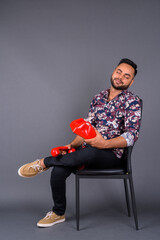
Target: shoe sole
{"x":50,"y":224}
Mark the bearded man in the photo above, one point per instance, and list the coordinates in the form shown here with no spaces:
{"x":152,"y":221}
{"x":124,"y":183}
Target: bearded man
{"x":115,"y":114}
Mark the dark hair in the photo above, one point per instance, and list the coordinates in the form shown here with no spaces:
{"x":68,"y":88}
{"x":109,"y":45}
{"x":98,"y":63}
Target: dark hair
{"x":131,"y":63}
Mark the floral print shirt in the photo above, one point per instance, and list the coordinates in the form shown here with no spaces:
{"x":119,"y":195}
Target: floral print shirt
{"x":119,"y":117}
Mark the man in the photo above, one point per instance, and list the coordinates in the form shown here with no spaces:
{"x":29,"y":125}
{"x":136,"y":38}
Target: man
{"x":115,"y":114}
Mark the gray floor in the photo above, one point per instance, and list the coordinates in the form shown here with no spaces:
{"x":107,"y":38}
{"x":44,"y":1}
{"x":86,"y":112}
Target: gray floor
{"x":18,"y":221}
{"x":103,"y":211}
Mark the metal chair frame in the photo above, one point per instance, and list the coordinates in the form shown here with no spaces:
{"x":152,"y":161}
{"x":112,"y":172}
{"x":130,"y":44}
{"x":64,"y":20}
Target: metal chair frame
{"x":125,"y":174}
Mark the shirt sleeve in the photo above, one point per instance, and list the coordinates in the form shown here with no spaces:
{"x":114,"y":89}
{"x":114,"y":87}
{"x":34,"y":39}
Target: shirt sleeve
{"x":132,"y":121}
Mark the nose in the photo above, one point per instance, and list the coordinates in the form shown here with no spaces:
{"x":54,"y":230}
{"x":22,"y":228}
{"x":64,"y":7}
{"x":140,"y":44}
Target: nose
{"x":120,"y":76}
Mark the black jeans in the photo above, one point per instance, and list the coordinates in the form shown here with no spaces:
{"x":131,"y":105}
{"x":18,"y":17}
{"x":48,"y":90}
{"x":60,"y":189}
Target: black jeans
{"x":64,"y":165}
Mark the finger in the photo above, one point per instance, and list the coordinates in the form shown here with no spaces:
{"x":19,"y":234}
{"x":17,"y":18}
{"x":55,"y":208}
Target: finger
{"x":64,"y":152}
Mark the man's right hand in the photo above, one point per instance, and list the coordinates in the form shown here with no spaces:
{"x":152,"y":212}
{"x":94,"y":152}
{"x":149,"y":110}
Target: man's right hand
{"x":74,"y":144}
{"x":69,"y":146}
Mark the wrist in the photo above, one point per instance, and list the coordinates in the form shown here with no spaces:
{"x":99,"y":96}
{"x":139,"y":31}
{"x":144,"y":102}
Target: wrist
{"x":72,"y":145}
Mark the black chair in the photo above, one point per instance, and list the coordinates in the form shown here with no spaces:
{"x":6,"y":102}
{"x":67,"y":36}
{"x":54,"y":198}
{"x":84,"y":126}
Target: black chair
{"x":122,"y":173}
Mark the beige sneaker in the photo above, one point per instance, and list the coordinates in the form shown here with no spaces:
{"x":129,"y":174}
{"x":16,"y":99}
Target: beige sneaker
{"x":50,"y":219}
{"x":31,"y":169}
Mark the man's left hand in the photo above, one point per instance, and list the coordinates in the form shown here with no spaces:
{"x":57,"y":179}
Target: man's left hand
{"x":97,"y":142}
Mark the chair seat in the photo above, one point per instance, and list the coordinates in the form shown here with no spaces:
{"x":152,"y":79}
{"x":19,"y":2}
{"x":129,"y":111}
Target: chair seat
{"x":99,"y":172}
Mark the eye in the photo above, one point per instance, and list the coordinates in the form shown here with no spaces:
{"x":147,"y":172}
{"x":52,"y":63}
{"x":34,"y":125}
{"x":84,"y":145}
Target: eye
{"x":127,"y":77}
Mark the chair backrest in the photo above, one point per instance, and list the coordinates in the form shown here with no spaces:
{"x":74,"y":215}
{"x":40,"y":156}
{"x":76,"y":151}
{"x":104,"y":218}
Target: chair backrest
{"x":128,"y":151}
{"x":127,"y":159}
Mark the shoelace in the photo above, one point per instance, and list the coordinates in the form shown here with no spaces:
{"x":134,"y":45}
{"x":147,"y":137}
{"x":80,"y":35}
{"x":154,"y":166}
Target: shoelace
{"x":49,"y":214}
{"x":37,"y":167}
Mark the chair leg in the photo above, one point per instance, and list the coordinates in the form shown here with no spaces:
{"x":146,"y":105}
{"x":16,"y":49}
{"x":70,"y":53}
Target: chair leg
{"x":77,"y":202}
{"x":133,"y":202}
{"x":127,"y":197}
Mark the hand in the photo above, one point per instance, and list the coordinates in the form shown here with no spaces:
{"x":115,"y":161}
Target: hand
{"x":97,"y":142}
{"x":63,"y":152}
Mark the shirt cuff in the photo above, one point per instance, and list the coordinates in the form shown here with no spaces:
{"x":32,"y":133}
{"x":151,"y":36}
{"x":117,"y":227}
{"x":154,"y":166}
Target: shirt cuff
{"x":129,"y":138}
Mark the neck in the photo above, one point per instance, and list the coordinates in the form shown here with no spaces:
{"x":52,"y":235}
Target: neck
{"x":113,"y":93}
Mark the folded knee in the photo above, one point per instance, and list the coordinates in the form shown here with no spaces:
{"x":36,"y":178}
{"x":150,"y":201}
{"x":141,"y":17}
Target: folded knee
{"x":59,"y":173}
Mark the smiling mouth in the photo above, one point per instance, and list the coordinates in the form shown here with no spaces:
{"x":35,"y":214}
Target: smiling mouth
{"x":117,"y":81}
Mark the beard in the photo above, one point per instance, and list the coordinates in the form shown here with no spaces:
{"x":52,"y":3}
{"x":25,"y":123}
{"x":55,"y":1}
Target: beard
{"x":122,"y":87}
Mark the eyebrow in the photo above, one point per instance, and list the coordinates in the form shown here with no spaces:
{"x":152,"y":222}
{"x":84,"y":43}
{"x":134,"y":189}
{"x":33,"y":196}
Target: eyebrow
{"x":127,"y":74}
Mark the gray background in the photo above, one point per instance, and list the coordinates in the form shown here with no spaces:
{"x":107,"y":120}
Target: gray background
{"x":54,"y":57}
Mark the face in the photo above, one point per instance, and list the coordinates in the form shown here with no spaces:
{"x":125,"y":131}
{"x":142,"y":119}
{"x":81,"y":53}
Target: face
{"x":122,"y":77}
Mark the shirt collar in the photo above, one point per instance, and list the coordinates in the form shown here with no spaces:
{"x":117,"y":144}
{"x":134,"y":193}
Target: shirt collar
{"x":107,"y":91}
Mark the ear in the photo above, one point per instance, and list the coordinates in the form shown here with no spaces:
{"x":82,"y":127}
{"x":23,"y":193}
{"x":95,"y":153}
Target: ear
{"x":131,"y":82}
